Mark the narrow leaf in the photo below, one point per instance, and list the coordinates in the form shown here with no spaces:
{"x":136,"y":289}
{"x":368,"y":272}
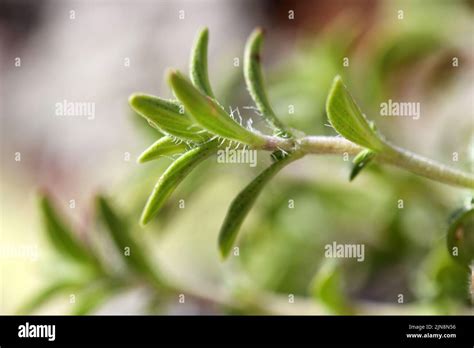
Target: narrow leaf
{"x":198,"y":65}
{"x":127,"y":247}
{"x":255,"y":83}
{"x":167,"y":117}
{"x":164,"y":146}
{"x":95,"y":295}
{"x":60,"y":236}
{"x":45,"y":295}
{"x":210,"y":115}
{"x":244,"y":201}
{"x":347,"y":119}
{"x":171,"y":178}
{"x":362,"y":159}
{"x":328,"y":287}
{"x":439,"y":279}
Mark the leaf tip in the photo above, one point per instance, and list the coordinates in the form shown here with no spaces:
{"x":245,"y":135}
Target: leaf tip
{"x":336,"y":83}
{"x":258,"y":32}
{"x":347,"y":119}
{"x":171,"y":75}
{"x":224,"y":249}
{"x":144,"y":219}
{"x":254,"y":43}
{"x":143,"y":158}
{"x":42,"y":194}
{"x":149,"y":211}
{"x":203,"y":33}
{"x":360,"y":162}
{"x":174,"y":78}
{"x":44,"y":201}
{"x":100,"y":202}
{"x":136,"y":101}
{"x":133,"y":99}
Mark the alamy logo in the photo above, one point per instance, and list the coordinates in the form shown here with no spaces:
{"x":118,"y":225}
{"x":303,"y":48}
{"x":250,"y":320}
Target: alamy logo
{"x":345,"y":251}
{"x":403,"y":109}
{"x":37,"y":331}
{"x":28,"y":251}
{"x":69,"y":108}
{"x":229,"y":155}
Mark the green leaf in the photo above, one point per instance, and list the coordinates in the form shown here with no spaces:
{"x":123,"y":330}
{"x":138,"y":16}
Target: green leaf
{"x":460,"y":236}
{"x":164,"y":146}
{"x":244,"y":201}
{"x":94,"y":295}
{"x":440,"y":280}
{"x":328,"y":287}
{"x":43,"y":296}
{"x":198,"y":65}
{"x":362,"y":159}
{"x":165,"y":115}
{"x":61,"y":237}
{"x":347,"y":119}
{"x":171,"y":178}
{"x":127,"y":247}
{"x":210,"y":115}
{"x":255,"y":83}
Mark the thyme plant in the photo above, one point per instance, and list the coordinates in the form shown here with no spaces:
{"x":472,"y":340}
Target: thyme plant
{"x":195,"y":126}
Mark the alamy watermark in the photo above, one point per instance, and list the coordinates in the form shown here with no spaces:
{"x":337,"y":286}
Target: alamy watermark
{"x":345,"y":251}
{"x":230,"y":155}
{"x":19,"y":251}
{"x":401,"y":109}
{"x":28,"y":330}
{"x":70,"y":108}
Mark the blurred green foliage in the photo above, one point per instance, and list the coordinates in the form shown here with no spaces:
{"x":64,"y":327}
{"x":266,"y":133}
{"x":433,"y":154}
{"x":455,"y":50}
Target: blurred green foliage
{"x":282,"y":248}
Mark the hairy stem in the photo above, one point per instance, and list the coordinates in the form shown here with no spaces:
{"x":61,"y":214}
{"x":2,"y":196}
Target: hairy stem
{"x":328,"y":145}
{"x":396,"y":156}
{"x":429,"y":168}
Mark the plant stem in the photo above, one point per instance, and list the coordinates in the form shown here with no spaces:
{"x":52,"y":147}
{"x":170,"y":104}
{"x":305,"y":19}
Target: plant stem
{"x":428,"y":168}
{"x":396,"y":156}
{"x":328,"y":145}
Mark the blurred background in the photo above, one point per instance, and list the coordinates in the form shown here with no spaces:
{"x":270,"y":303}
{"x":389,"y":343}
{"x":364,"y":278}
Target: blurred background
{"x":100,"y":52}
